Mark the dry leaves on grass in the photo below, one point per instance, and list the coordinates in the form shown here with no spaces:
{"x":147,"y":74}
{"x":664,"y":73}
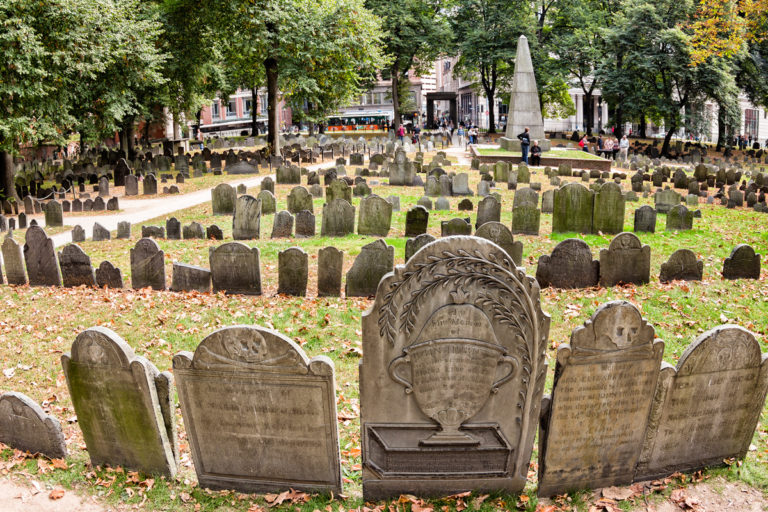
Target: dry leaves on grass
{"x":293,"y":497}
{"x":680,"y":498}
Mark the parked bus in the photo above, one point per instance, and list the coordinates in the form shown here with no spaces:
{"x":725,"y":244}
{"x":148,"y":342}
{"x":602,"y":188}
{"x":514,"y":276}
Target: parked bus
{"x":358,"y":122}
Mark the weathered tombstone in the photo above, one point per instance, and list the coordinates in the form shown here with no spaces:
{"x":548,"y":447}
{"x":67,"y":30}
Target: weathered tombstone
{"x":625,"y":261}
{"x":707,"y":407}
{"x":412,"y":245}
{"x":483,"y":188}
{"x":213,"y":232}
{"x":501,"y":172}
{"x":305,"y":224}
{"x":455,"y":227}
{"x":645,"y":219}
{"x":100,"y":233}
{"x":23,"y":218}
{"x":330,"y":262}
{"x":235,"y":268}
{"x":190,"y":278}
{"x":373,"y":262}
{"x":604,"y":382}
{"x":424,"y":202}
{"x":573,"y":209}
{"x":268,"y":184}
{"x":42,"y":267}
{"x":664,"y":200}
{"x":123,"y":230}
{"x":78,"y":233}
{"x":131,"y":185}
{"x":26,"y":427}
{"x":77,"y":206}
{"x":679,"y":218}
{"x":97,"y":205}
{"x":460,"y":185}
{"x":401,"y":171}
{"x":76,"y":268}
{"x":525,"y":212}
{"x":282,"y":226}
{"x":113,"y":204}
{"x":293,"y":272}
{"x":743,"y":263}
{"x":338,"y":189}
{"x":223,"y":198}
{"x":108,"y":275}
{"x":246,"y":222}
{"x":682,"y":265}
{"x":548,"y":201}
{"x":569,"y":266}
{"x":465,"y":205}
{"x":54,"y":216}
{"x":14,"y":262}
{"x":152,"y":232}
{"x":416,"y":220}
{"x":488,"y":210}
{"x":375,"y":216}
{"x":149,"y":185}
{"x":609,"y":206}
{"x":338,"y":218}
{"x":288,"y":175}
{"x":173,"y":229}
{"x":268,"y":202}
{"x":261,"y":415}
{"x":123,"y":404}
{"x":499,"y":234}
{"x":103,"y":186}
{"x":193,"y":230}
{"x":147,"y":265}
{"x":442,"y":204}
{"x":442,"y":369}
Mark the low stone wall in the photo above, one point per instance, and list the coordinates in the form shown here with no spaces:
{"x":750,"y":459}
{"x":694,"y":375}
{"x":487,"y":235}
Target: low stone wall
{"x":575,"y":163}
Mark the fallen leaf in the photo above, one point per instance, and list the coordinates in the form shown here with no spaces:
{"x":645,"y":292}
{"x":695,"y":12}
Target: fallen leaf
{"x":56,"y":494}
{"x":618,"y":493}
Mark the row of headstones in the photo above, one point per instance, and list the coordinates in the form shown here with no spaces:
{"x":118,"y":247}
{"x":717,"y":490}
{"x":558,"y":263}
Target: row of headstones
{"x":472,"y":337}
{"x":55,"y":210}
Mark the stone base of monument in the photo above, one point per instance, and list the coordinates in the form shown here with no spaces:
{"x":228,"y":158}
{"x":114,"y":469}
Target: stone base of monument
{"x":514,"y":144}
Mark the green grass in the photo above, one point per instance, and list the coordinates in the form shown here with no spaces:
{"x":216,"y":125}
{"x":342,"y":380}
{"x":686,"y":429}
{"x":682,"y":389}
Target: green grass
{"x":554,"y":153}
{"x":40,"y":323}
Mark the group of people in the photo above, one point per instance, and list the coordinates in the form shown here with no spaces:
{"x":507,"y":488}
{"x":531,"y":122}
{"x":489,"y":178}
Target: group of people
{"x":526,"y":147}
{"x":608,"y":147}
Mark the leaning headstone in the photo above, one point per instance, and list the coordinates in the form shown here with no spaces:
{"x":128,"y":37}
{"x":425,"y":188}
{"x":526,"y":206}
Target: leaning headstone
{"x":282,"y":226}
{"x":743,"y":263}
{"x":223,"y":198}
{"x":76,"y":268}
{"x":569,"y":266}
{"x":416,"y":220}
{"x":338,"y":218}
{"x":147,"y":265}
{"x":123,"y":404}
{"x":330,"y":262}
{"x":373,"y":262}
{"x":488,"y":210}
{"x":573,"y":209}
{"x":499,"y":234}
{"x":292,"y":272}
{"x":605,"y":381}
{"x":235,"y":269}
{"x":525,"y":212}
{"x":679,"y":218}
{"x":54,"y":217}
{"x":299,"y":199}
{"x":14,"y":262}
{"x":78,"y":233}
{"x":609,"y":206}
{"x":123,"y":230}
{"x":261,"y":415}
{"x":375,"y":216}
{"x":26,"y":427}
{"x":682,"y":265}
{"x":42,"y":267}
{"x":707,"y":407}
{"x":451,"y":381}
{"x":246,"y":222}
{"x":108,"y":275}
{"x":625,"y":261}
{"x":100,"y":233}
{"x":188,"y":278}
{"x":645,"y":219}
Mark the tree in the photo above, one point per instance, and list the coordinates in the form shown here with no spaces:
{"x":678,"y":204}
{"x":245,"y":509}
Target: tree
{"x":415,"y":33}
{"x":723,"y":27}
{"x":485,"y":35}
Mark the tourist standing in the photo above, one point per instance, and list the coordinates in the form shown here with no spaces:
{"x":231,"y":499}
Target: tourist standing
{"x":525,"y":142}
{"x":400,"y":132}
{"x":623,"y":148}
{"x":584,"y":143}
{"x":535,"y":153}
{"x":461,"y":135}
{"x":608,"y":147}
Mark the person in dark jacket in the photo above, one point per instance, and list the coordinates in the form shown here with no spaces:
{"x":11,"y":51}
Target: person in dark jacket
{"x":535,"y":153}
{"x":525,"y":141}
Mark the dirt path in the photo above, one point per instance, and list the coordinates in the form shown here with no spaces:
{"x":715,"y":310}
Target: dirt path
{"x":18,"y":497}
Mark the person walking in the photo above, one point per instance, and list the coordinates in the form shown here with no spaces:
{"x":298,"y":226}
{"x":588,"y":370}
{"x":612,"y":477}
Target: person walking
{"x":623,"y":148}
{"x":400,"y":133}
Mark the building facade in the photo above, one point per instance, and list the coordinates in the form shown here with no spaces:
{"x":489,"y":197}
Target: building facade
{"x":235,"y":116}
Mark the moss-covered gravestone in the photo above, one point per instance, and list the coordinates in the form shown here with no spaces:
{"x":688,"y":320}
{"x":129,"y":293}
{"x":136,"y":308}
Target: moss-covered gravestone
{"x":625,"y":261}
{"x":223,"y":198}
{"x":743,"y":263}
{"x":499,"y":234}
{"x":682,"y":265}
{"x":375,"y":216}
{"x":526,"y":216}
{"x":373,"y":262}
{"x":573,"y":209}
{"x":338,"y":218}
{"x":299,"y":199}
{"x":569,"y":266}
{"x":679,"y":218}
{"x":25,"y":426}
{"x":123,"y":404}
{"x":608,"y":213}
{"x":246,"y":222}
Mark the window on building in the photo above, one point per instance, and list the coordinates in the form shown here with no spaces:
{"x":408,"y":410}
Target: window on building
{"x":264,"y":104}
{"x":215,"y":113}
{"x":751,"y":122}
{"x":231,"y":109}
{"x":247,"y":105}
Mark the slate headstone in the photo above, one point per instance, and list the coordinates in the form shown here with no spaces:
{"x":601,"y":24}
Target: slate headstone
{"x":42,"y":266}
{"x":147,"y":265}
{"x":330,"y":263}
{"x":235,"y":269}
{"x":569,"y":266}
{"x":374,"y":260}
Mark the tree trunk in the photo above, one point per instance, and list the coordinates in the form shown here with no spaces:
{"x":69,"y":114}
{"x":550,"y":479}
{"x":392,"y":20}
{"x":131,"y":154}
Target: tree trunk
{"x":667,"y":139}
{"x":7,"y":182}
{"x":254,"y":112}
{"x":721,"y":128}
{"x":129,"y":131}
{"x":273,"y":135}
{"x":589,"y":111}
{"x":489,"y":94}
{"x":396,"y":98}
{"x":147,"y":121}
{"x":83,"y":147}
{"x":122,"y":136}
{"x":643,"y":126}
{"x":618,"y":120}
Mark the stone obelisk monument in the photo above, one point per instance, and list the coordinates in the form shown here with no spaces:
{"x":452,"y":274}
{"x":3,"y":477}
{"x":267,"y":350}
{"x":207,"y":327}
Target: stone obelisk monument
{"x":524,"y":109}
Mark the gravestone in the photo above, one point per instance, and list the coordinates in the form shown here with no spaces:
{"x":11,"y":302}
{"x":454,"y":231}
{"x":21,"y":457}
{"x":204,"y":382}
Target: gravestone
{"x":305,"y":224}
{"x":338,"y":218}
{"x":152,"y":232}
{"x":299,"y":199}
{"x":283,"y":225}
{"x":679,"y":218}
{"x":23,"y":219}
{"x":123,"y":230}
{"x":412,"y":245}
{"x":375,"y":216}
{"x":707,"y":407}
{"x":338,"y":189}
{"x":14,"y":262}
{"x":108,"y":275}
{"x":401,"y":171}
{"x":100,"y":233}
{"x":78,"y":234}
{"x":42,"y":267}
{"x":147,"y":265}
{"x":548,"y":201}
{"x":645,"y":219}
{"x":460,"y":185}
{"x":455,"y":227}
{"x":604,"y":383}
{"x":77,"y":206}
{"x":432,"y":187}
{"x":442,"y":204}
{"x":743,"y":263}
{"x":483,"y":188}
{"x":188,"y":278}
{"x":246,"y":222}
{"x":235,"y":268}
{"x":330,"y":262}
{"x":76,"y":269}
{"x":268,"y":202}
{"x":499,"y":234}
{"x":374,"y":260}
{"x":131,"y":185}
{"x":416,"y":220}
{"x":193,"y":230}
{"x":450,"y":382}
{"x":293,"y":272}
{"x":149,"y":185}
{"x":501,"y":172}
{"x":664,"y":200}
{"x":465,"y":205}
{"x":268,"y":184}
{"x":682,"y":265}
{"x":98,"y":204}
{"x":123,"y":404}
{"x":625,"y":261}
{"x":261,"y":415}
{"x":288,"y":175}
{"x":569,"y":266}
{"x":525,"y":212}
{"x":103,"y":187}
{"x":608,"y":214}
{"x":488,"y":210}
{"x":213,"y":232}
{"x":573,"y":207}
{"x":173,"y":229}
{"x":223,"y":198}
{"x":113,"y":204}
{"x":54,"y":216}
{"x":26,"y":427}
{"x":425,"y":202}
